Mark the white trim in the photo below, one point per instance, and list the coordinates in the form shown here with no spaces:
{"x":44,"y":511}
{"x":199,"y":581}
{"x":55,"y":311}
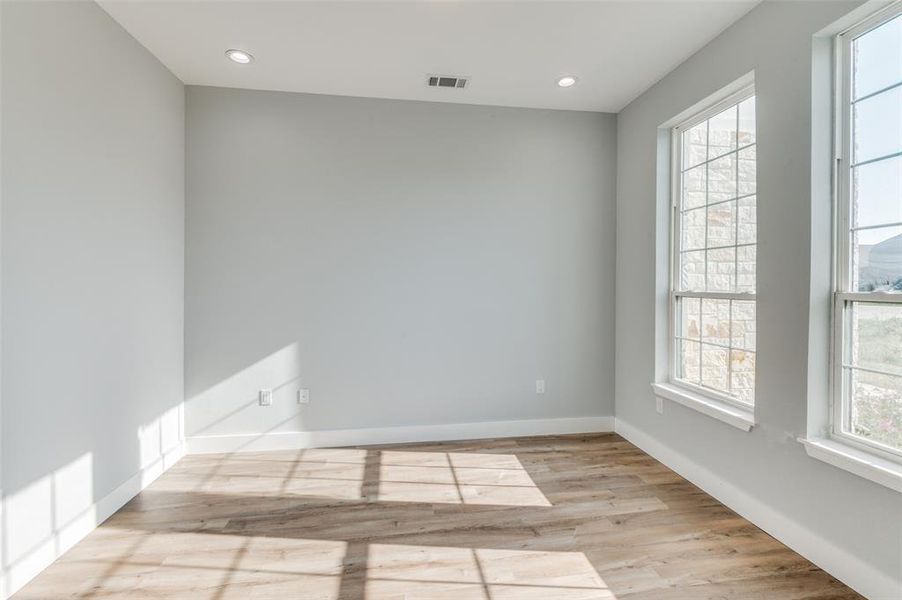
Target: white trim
{"x":871,"y":297}
{"x":728,"y":413}
{"x":741,"y":296}
{"x":735,"y":87}
{"x":862,"y":463}
{"x":727,"y":100}
{"x":733,"y":95}
{"x":844,"y":296}
{"x":848,"y":568}
{"x":294,"y":440}
{"x":27,"y":567}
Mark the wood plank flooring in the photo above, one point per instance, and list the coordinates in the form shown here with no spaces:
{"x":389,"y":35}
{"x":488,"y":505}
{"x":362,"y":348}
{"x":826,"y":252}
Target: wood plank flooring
{"x":558,"y":518}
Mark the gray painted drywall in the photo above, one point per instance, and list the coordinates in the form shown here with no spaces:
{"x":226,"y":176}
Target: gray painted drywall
{"x":775,"y":39}
{"x":92,"y":263}
{"x":410,"y":263}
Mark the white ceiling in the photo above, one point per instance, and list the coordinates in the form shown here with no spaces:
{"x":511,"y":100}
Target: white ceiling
{"x":513,"y":51}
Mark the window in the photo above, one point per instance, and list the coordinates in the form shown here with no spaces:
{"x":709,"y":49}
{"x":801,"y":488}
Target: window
{"x":867,"y":353}
{"x":713,"y":257}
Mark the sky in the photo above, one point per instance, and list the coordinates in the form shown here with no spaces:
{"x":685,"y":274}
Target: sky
{"x":878,"y":129}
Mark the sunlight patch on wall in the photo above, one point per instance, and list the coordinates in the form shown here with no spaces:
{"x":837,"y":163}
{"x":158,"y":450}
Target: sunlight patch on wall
{"x":159,"y":436}
{"x":46,"y":518}
{"x":229,"y":403}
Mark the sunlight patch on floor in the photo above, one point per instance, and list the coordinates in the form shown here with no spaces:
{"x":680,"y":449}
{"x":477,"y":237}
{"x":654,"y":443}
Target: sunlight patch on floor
{"x":436,"y":573}
{"x":206,"y":566}
{"x":456,"y":478}
{"x":352,"y":474}
{"x":218,"y":566}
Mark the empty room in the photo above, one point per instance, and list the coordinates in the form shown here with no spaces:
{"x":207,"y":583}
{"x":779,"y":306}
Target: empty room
{"x":451,"y":299}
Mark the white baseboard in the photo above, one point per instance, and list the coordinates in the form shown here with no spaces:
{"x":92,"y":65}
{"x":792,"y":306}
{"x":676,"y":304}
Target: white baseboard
{"x":24,"y":569}
{"x":208,"y":444}
{"x":849,"y":569}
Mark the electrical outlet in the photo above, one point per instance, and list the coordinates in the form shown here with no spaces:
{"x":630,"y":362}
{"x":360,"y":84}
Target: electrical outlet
{"x":265,"y":397}
{"x":659,"y":405}
{"x":304,"y":396}
{"x":540,"y":386}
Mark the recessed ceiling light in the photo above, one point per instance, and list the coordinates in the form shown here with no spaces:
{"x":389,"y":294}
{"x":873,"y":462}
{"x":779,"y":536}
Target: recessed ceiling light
{"x":566,"y":81}
{"x":239,"y":56}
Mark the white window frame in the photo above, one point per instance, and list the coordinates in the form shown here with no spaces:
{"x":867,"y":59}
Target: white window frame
{"x":708,"y":400}
{"x":842,"y":254}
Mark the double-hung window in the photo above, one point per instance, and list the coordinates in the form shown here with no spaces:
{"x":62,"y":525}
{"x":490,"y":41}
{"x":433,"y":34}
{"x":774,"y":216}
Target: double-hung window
{"x":714,"y":252}
{"x":867,"y":313}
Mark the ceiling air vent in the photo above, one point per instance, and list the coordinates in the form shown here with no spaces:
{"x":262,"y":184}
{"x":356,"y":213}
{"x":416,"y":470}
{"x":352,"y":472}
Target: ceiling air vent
{"x":447,"y":81}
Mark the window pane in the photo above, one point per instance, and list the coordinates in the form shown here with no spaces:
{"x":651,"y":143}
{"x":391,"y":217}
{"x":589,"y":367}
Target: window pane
{"x":876,"y":341}
{"x":721,"y":270}
{"x":742,"y":375}
{"x":742,"y":325}
{"x":748,"y":219}
{"x":722,"y":133}
{"x":715,"y":372}
{"x":875,"y":398}
{"x":877,"y":259}
{"x":747,"y":171}
{"x":716,"y":321}
{"x":694,"y":187}
{"x":690,"y":325}
{"x":689,"y":361}
{"x":878,"y":58}
{"x":695,"y":145}
{"x":877,"y":193}
{"x":722,"y":178}
{"x":745,"y":265}
{"x":692,"y":223}
{"x":692,"y":271}
{"x":870,"y":360}
{"x":746,"y":134}
{"x":876,"y":408}
{"x":716,"y":252}
{"x":878,"y":126}
{"x":722,"y":224}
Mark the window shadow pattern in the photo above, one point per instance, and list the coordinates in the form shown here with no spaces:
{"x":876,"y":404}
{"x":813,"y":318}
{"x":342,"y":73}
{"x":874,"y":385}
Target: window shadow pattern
{"x":590,"y":519}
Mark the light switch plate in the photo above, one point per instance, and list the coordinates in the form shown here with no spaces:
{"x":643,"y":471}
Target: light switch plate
{"x":265,"y":397}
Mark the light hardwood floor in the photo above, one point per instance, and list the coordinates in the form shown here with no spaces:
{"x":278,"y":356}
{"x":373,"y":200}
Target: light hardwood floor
{"x":557,"y":518}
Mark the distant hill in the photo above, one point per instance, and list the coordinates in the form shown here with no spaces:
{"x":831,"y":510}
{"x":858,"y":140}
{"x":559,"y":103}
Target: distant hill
{"x":880,"y":265}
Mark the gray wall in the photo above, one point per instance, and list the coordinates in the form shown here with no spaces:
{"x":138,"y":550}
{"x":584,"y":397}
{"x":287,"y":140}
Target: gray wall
{"x":92,"y":263}
{"x":410,"y":263}
{"x":857,"y":516}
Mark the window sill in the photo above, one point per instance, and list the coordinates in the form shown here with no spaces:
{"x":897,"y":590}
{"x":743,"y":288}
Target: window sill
{"x":864,"y":464}
{"x":729,"y":414}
